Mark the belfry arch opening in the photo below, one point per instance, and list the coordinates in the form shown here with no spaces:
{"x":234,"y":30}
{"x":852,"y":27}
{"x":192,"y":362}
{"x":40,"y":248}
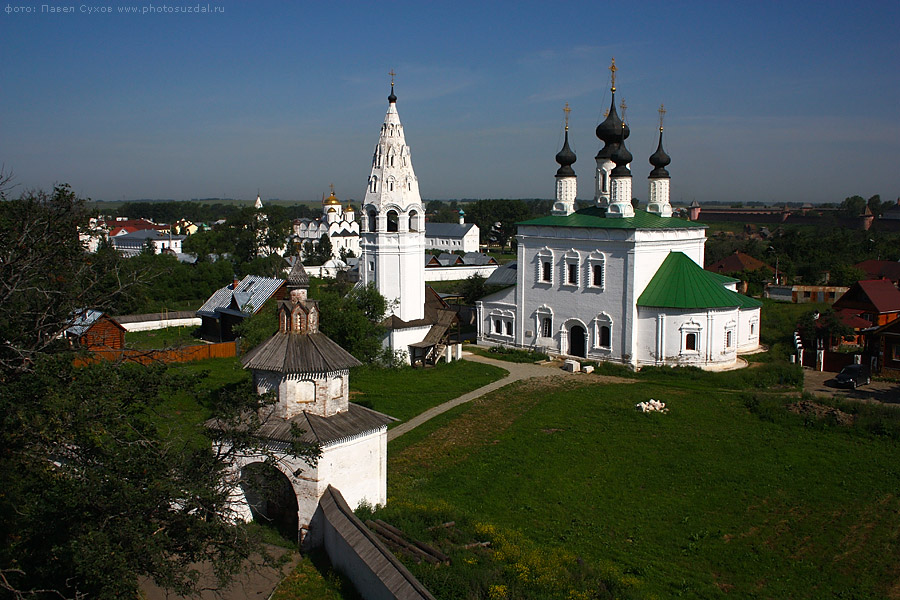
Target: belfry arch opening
{"x":372,"y":221}
{"x":413,"y":220}
{"x":393,"y":221}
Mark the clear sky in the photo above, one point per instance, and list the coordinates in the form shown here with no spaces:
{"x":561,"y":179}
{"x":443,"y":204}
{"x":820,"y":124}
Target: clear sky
{"x":771,"y":101}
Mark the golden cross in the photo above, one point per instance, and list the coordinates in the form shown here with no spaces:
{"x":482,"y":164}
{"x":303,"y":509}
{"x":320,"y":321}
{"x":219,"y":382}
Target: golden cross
{"x":392,"y":77}
{"x":567,"y":110}
{"x":332,"y":189}
{"x":623,"y":106}
{"x":613,"y":69}
{"x":662,"y":114}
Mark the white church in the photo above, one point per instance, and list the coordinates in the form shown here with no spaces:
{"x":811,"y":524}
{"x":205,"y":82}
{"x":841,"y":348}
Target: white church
{"x":608,"y":282}
{"x":337,"y":222}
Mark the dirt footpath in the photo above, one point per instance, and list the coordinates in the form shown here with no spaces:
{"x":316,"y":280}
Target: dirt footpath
{"x":822,"y":383}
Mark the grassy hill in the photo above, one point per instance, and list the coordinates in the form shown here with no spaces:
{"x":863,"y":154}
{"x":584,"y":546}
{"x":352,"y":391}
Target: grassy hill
{"x":582,"y":496}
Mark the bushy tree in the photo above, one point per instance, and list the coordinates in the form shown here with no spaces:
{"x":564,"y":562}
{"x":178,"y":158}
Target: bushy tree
{"x":97,"y":489}
{"x":353,"y":320}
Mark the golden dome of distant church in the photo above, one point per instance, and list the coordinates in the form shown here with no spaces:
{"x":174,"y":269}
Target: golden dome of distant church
{"x":332,"y":199}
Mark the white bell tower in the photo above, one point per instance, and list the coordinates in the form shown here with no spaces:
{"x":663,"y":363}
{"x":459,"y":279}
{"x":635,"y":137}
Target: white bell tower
{"x":393,"y":223}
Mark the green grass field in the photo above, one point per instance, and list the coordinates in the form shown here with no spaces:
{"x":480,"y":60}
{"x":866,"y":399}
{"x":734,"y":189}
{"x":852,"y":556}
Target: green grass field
{"x":404,"y":393}
{"x":582,"y":496}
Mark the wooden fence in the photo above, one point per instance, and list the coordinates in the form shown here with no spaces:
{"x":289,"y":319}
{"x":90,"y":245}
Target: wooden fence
{"x":185,"y":354}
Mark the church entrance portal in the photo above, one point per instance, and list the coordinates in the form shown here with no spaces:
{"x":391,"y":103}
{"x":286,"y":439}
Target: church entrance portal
{"x":577,"y":341}
{"x":271,"y":498}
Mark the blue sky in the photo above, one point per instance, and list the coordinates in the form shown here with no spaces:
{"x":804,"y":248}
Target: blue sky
{"x":771,"y":101}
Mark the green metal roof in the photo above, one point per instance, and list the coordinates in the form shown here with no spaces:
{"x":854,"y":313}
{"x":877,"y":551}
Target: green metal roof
{"x":681,"y":283}
{"x":595,"y":217}
{"x":723,"y":278}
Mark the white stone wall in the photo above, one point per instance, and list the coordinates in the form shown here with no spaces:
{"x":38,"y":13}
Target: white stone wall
{"x":663,"y":337}
{"x":322,"y":394}
{"x":400,"y":339}
{"x":357,"y":467}
{"x":748,"y":330}
{"x":162,"y":324}
{"x":458,"y":273}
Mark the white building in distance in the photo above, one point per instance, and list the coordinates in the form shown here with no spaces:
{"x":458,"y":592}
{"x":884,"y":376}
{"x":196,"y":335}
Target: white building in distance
{"x":337,"y":222}
{"x":452,"y":236}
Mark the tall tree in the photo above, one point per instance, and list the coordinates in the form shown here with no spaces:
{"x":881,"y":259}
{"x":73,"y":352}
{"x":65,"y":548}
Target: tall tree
{"x":97,"y":488}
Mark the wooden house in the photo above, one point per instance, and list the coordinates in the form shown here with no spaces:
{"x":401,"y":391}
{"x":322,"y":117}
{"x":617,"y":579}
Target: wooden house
{"x":95,"y":330}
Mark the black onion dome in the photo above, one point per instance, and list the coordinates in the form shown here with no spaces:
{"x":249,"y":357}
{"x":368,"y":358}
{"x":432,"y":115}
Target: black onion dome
{"x":622,"y":157}
{"x":659,"y":160}
{"x":392,"y":98}
{"x":566,"y":158}
{"x":610,"y":130}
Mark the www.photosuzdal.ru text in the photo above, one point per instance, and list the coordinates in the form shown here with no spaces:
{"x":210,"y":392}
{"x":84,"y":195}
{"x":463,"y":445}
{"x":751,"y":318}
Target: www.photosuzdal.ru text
{"x":145,"y":9}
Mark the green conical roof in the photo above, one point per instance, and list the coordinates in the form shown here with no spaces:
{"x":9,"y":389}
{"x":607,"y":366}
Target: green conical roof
{"x":681,"y":283}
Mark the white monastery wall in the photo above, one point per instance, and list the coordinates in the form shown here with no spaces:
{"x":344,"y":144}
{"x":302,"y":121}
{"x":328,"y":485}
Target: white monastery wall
{"x":357,"y":467}
{"x":457,"y":273}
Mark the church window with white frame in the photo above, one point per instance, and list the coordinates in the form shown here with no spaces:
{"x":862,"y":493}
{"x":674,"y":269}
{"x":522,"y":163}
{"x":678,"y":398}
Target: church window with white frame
{"x":572,"y":264}
{"x":543,"y":317}
{"x":730,"y":328}
{"x":603,"y":332}
{"x":690,"y":341}
{"x":690,"y":338}
{"x":545,"y":266}
{"x":597,"y":269}
{"x":502,"y":323}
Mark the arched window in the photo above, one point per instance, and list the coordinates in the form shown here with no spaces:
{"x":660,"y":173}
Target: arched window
{"x":392,"y":221}
{"x":391,"y":185}
{"x":374,"y":184}
{"x":413,"y":219}
{"x":544,"y":260}
{"x":373,"y":220}
{"x":547,"y":327}
{"x":597,"y":270}
{"x":571,"y":268}
{"x":690,"y":341}
{"x":605,"y":337}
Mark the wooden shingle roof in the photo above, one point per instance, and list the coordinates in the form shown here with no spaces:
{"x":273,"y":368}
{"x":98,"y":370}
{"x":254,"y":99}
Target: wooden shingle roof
{"x":316,"y":429}
{"x":299,"y":353}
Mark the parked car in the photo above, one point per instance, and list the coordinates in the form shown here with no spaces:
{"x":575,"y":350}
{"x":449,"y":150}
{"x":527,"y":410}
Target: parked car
{"x":853,"y":376}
